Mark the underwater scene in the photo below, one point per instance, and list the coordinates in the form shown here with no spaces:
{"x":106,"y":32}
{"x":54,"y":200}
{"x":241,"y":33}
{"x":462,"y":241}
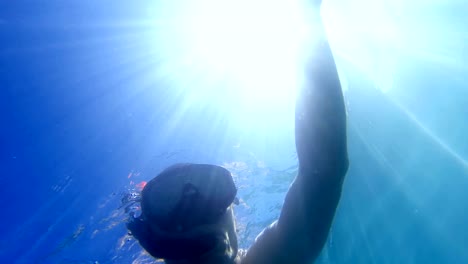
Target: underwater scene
{"x":98,"y":97}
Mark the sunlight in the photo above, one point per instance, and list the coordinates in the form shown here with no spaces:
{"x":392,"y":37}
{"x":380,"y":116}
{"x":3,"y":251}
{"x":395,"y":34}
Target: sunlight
{"x":248,"y":49}
{"x":364,"y":33}
{"x":379,"y":37}
{"x":243,"y":36}
{"x":248,"y":52}
{"x":456,"y":156}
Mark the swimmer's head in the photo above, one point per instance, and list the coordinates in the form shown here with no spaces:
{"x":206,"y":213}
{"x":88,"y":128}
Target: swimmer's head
{"x":187,"y":215}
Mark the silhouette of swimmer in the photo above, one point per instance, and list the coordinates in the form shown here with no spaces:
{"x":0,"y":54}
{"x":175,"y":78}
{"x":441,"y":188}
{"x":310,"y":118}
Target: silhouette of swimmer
{"x":187,"y":214}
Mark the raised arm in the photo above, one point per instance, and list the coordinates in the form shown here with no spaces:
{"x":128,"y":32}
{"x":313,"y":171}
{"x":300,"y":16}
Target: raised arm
{"x":321,"y":146}
{"x":307,"y":214}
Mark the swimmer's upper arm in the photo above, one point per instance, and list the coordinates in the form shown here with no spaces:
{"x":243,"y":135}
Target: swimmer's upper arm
{"x":309,"y":207}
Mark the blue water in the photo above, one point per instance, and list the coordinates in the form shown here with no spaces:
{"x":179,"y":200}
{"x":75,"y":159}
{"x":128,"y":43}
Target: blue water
{"x":85,"y":117}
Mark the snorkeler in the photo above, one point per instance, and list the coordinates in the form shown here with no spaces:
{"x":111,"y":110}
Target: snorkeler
{"x":187,"y":213}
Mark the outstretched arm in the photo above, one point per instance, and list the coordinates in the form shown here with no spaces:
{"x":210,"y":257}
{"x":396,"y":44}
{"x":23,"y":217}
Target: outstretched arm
{"x":307,"y":214}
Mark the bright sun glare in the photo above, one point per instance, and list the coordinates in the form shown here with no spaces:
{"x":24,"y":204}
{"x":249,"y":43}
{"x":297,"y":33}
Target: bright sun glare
{"x":251,"y":49}
{"x":252,"y":45}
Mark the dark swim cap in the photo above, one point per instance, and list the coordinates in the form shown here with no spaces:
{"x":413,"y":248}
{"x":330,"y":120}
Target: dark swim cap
{"x":176,"y":202}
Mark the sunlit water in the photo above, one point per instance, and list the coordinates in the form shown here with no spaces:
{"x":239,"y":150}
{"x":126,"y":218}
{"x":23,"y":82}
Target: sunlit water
{"x":98,"y":96}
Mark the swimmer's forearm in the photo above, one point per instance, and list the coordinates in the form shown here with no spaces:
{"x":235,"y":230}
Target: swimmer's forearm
{"x":321,"y":118}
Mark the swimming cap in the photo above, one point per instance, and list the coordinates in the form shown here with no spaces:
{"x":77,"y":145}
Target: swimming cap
{"x":176,"y":202}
